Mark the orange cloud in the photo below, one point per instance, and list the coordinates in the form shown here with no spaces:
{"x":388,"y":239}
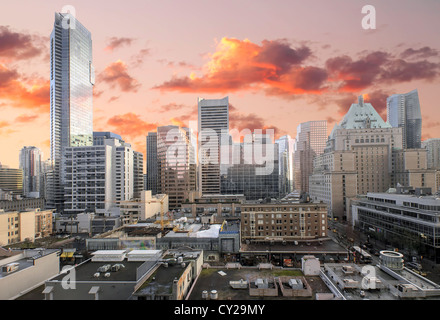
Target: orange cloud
{"x":243,"y":65}
{"x":131,"y":125}
{"x":26,"y":118}
{"x":29,"y":94}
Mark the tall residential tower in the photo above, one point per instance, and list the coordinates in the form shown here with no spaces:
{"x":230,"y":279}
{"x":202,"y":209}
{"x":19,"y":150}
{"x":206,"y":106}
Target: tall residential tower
{"x":403,"y":111}
{"x":71,"y":96}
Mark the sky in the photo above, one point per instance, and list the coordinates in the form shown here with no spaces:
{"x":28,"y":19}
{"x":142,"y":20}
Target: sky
{"x":280,"y":63}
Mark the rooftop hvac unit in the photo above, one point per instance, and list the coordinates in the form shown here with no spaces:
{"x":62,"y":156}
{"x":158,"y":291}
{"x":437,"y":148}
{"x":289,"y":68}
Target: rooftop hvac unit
{"x":11,"y":267}
{"x":104,"y":268}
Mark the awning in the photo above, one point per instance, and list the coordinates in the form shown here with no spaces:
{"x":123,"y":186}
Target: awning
{"x":67,"y":255}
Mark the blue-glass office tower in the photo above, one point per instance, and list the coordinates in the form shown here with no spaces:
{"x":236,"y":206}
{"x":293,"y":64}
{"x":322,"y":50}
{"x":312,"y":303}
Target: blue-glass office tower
{"x":403,"y":111}
{"x":71,"y":96}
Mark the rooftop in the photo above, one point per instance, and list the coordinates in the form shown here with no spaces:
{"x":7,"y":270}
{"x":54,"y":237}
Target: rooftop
{"x":25,"y":259}
{"x":218,"y":279}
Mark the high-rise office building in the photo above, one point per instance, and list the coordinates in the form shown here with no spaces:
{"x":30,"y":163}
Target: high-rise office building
{"x":31,"y":164}
{"x":285,"y":160}
{"x":152,"y":179}
{"x":254,"y":172}
{"x":213,"y":127}
{"x":176,"y":156}
{"x":11,"y":179}
{"x":71,"y":96}
{"x":403,"y":111}
{"x":310,"y":142}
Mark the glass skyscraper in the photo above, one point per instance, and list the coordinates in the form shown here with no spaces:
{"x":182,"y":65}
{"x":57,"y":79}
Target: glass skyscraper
{"x":403,"y":111}
{"x":71,"y":102}
{"x":31,"y":164}
{"x":213,"y":127}
{"x":310,"y":141}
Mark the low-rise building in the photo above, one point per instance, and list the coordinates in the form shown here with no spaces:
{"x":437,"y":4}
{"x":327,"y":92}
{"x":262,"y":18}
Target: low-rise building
{"x":108,"y":275}
{"x":25,"y":270}
{"x":407,"y":218}
{"x":283,"y":222}
{"x":172,"y":280}
{"x":26,"y":225}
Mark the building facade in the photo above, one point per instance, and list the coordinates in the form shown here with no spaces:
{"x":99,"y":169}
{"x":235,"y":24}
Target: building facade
{"x":213,"y":126}
{"x":99,"y":176}
{"x":432,"y":147}
{"x":358,"y":159}
{"x":409,"y":221}
{"x":403,"y":111}
{"x":31,"y":164}
{"x":19,"y":226}
{"x":152,"y":180}
{"x":285,"y":160}
{"x":71,"y":95}
{"x":176,"y":156}
{"x":283,"y":222}
{"x":310,"y":142}
{"x":11,"y":180}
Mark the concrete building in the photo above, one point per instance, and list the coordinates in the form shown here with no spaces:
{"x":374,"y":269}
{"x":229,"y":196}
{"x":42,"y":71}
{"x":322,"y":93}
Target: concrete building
{"x":283,"y":222}
{"x":403,"y":111}
{"x":213,"y":127}
{"x":410,"y":169}
{"x":358,"y":157}
{"x":310,"y":142}
{"x":72,"y":77}
{"x":108,"y":275}
{"x":432,"y":147}
{"x":173,"y":278}
{"x":31,"y":163}
{"x":143,"y":208}
{"x":98,"y":177}
{"x":26,"y":225}
{"x":26,"y":270}
{"x":11,"y":203}
{"x":408,"y":218}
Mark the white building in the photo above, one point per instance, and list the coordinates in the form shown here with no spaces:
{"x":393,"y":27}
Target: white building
{"x":99,"y":176}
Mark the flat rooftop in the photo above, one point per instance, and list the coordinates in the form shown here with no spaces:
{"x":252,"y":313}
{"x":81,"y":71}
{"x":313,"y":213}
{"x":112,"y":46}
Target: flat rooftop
{"x":28,"y":260}
{"x":218,"y":279}
{"x":303,"y":247}
{"x":85,"y":271}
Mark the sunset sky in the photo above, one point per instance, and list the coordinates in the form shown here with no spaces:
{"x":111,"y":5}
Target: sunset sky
{"x":281,"y":62}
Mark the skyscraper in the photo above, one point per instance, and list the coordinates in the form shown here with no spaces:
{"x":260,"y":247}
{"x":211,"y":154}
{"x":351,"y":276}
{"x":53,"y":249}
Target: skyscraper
{"x":152,"y":181}
{"x":403,"y":111}
{"x":285,"y":159}
{"x":32,"y":166}
{"x":71,"y":95}
{"x":177,"y":164}
{"x":254,"y":172}
{"x":310,"y":142}
{"x":213,"y":126}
